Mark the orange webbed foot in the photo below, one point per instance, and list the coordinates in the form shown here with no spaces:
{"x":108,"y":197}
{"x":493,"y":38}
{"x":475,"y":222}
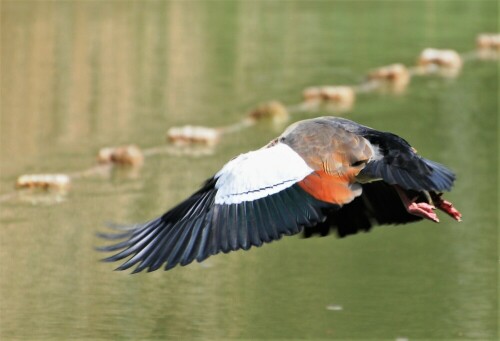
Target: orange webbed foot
{"x":422,"y":209}
{"x":447,"y":207}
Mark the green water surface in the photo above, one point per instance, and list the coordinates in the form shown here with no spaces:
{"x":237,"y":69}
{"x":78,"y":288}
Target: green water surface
{"x":77,"y":76}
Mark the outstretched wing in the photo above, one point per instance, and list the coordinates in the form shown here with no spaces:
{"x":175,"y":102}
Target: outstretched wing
{"x":254,"y":199}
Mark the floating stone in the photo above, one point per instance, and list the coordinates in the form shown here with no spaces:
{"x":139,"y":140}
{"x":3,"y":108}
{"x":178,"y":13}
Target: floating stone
{"x":193,"y":135}
{"x":488,"y":46}
{"x":124,"y":155}
{"x":344,"y":95}
{"x":334,"y":99}
{"x":44,"y":181}
{"x":395,"y":77}
{"x":489,"y":41}
{"x":273,"y":110}
{"x":441,"y":58}
{"x":338,"y":94}
{"x":312,"y":93}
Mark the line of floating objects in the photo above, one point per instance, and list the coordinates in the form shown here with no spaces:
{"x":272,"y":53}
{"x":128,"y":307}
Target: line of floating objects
{"x":200,"y":141}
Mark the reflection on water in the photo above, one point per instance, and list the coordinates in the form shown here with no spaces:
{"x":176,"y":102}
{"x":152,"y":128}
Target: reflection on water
{"x":77,"y":76}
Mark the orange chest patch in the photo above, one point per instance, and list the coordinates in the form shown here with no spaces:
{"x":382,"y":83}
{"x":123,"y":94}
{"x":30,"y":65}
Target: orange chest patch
{"x":335,"y":189}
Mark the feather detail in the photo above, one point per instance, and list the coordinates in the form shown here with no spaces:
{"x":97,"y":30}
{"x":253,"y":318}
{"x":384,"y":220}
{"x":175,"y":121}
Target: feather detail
{"x":182,"y":235}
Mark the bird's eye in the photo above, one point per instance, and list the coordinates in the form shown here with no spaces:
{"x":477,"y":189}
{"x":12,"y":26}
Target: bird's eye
{"x":359,"y":163}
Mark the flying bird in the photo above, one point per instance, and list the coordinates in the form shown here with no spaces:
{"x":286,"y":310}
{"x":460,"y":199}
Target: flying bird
{"x":321,"y":175}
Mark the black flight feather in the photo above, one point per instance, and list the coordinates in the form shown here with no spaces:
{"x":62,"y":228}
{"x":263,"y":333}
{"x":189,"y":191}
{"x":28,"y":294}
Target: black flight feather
{"x":198,"y":228}
{"x":379,"y":204}
{"x":401,"y":165}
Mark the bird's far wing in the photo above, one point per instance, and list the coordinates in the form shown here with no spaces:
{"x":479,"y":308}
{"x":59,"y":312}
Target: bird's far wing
{"x":401,"y":165}
{"x":379,"y":204}
{"x":254,"y":199}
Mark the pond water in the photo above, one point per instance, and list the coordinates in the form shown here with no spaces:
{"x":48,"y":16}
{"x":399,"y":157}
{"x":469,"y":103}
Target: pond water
{"x":79,"y":76}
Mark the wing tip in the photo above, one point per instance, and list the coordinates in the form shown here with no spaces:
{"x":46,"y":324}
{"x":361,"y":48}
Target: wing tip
{"x":442,"y":177}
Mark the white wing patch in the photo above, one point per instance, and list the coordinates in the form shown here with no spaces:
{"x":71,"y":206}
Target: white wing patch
{"x":260,"y":173}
